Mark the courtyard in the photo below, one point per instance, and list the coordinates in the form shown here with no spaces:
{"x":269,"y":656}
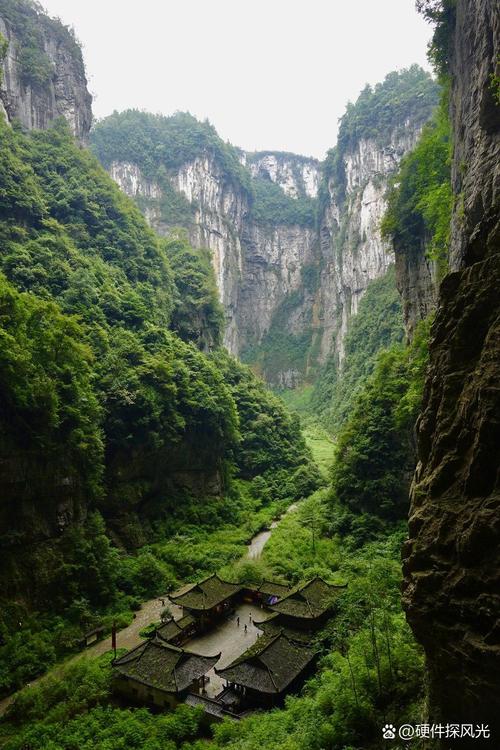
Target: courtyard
{"x":228,"y":639}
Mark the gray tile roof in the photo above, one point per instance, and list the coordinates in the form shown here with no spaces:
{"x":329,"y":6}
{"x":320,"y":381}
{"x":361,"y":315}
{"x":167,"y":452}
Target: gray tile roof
{"x":308,"y":600}
{"x":270,"y":665}
{"x":160,"y":665}
{"x":174,"y":628}
{"x":271,"y":588}
{"x":273,"y":625}
{"x":206,"y":594}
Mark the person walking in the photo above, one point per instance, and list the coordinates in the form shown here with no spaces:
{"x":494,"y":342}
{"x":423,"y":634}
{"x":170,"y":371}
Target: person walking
{"x":246,"y":628}
{"x":238,"y":621}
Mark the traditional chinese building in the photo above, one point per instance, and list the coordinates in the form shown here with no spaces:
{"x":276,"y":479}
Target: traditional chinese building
{"x":306,"y":606}
{"x":268,"y":670}
{"x":269,"y":592}
{"x":208,"y":600}
{"x":178,"y":631}
{"x":160,"y":674}
{"x":274,"y":625}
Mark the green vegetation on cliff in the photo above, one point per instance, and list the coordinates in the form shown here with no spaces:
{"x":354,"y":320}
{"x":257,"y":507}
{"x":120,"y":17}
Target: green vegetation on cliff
{"x":375,"y":453}
{"x":155,"y":141}
{"x":29,"y":24}
{"x":380,"y":113}
{"x":442,"y":14}
{"x":161,"y":145}
{"x":198,"y":316}
{"x":420,"y":199}
{"x":283,"y":350}
{"x":271,"y":206}
{"x":377,"y":326}
{"x":47,"y":402}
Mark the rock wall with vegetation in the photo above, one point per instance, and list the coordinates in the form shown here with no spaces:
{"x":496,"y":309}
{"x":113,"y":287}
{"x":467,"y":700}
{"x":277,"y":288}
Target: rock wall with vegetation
{"x":374,"y":135}
{"x":42,"y":72}
{"x":451,"y":561}
{"x":417,"y":221}
{"x":294,"y":243}
{"x":255,"y":213}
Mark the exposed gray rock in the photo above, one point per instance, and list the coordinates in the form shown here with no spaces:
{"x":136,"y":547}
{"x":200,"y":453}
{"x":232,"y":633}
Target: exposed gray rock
{"x":257,"y":267}
{"x":296,"y":175}
{"x":353,"y":252}
{"x":417,"y":279}
{"x":63,"y":94}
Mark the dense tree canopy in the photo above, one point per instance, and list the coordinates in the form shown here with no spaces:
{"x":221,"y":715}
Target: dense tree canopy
{"x":156,"y":141}
{"x":109,"y":401}
{"x":375,"y":453}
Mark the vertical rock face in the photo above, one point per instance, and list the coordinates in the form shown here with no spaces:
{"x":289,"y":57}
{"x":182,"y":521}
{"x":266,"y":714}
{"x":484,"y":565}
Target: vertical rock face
{"x":452,"y":558}
{"x":294,"y":246}
{"x":219,"y":209}
{"x":42,"y":72}
{"x":260,"y":265}
{"x":274,"y":258}
{"x":255,"y":265}
{"x":352,"y":250}
{"x":296,"y":175}
{"x":417,"y":279}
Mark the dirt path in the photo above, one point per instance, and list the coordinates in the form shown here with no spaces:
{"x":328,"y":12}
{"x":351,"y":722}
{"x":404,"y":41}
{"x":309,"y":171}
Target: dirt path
{"x":127,"y":638}
{"x":150,"y":612}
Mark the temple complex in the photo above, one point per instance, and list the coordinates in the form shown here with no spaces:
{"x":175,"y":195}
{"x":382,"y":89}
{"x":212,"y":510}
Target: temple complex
{"x":264,"y":654}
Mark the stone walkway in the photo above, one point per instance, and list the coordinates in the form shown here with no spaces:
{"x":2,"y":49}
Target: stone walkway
{"x":229,"y":639}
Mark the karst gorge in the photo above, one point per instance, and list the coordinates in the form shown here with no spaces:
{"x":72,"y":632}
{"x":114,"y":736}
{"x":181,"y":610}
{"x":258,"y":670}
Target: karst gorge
{"x":250,"y":413}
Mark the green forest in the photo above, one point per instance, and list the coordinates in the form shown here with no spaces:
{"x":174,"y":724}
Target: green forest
{"x":138,"y":455}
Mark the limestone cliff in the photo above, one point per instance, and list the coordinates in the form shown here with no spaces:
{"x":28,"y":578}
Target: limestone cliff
{"x":42,"y":71}
{"x":452,"y":558}
{"x":352,"y":250}
{"x":215,"y":220}
{"x":256,"y":262}
{"x":296,"y":175}
{"x":294,"y":242}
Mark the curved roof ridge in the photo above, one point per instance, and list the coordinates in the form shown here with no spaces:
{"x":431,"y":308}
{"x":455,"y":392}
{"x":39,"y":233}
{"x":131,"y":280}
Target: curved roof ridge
{"x":156,"y":641}
{"x":222,"y":580}
{"x":272,"y":617}
{"x":270,"y":642}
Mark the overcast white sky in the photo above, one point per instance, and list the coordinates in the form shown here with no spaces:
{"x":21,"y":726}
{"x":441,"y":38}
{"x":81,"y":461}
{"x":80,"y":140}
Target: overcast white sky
{"x":269,"y":74}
